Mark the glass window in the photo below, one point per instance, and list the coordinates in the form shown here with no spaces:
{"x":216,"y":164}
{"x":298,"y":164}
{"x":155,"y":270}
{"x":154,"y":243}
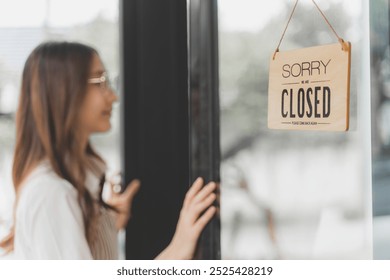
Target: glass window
{"x":291,"y":194}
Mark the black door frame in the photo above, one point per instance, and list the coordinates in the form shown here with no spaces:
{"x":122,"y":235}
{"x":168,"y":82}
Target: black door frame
{"x":156,"y":118}
{"x":204,"y":110}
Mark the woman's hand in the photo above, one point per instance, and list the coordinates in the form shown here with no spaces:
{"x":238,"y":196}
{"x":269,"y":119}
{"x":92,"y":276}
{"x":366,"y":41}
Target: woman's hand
{"x":122,"y":202}
{"x":191,"y":221}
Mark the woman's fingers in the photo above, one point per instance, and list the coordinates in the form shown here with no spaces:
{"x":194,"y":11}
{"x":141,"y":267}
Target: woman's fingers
{"x":196,"y":193}
{"x":194,"y":210}
{"x":202,"y":206}
{"x":122,"y":201}
{"x":196,"y":186}
{"x":204,"y":219}
{"x":202,"y":194}
{"x":198,"y":199}
{"x":132,"y":189}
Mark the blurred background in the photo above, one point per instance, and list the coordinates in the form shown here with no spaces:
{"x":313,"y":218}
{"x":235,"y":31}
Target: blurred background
{"x":25,"y":24}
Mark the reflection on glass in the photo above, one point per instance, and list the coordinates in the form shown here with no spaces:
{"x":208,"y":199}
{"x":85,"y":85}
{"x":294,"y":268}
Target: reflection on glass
{"x":289,"y":194}
{"x":92,"y":22}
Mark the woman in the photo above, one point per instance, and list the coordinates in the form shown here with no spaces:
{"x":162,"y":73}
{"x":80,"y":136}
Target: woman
{"x":58,"y":177}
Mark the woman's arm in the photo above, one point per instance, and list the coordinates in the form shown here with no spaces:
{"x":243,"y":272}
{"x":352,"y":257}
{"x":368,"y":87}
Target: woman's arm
{"x":191,"y":221}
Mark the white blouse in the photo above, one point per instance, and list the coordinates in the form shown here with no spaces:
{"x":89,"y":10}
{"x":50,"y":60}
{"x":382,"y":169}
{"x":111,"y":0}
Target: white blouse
{"x":49,"y":221}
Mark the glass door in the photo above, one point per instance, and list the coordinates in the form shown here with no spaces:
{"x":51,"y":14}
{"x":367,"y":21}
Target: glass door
{"x":291,"y":194}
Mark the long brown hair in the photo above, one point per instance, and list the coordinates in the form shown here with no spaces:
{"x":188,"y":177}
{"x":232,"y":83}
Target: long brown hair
{"x":54,"y":85}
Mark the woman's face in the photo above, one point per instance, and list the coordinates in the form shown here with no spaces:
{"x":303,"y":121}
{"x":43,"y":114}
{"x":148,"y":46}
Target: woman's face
{"x":97,"y":106}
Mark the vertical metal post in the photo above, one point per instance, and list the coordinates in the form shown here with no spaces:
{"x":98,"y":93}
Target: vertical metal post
{"x":204,"y":109}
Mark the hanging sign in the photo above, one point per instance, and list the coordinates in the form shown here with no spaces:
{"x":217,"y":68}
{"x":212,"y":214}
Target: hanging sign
{"x":309,"y":88}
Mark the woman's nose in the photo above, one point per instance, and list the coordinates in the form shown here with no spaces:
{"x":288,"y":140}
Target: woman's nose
{"x":113,"y":96}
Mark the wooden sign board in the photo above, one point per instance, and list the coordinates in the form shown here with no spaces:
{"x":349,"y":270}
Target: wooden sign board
{"x":309,"y":88}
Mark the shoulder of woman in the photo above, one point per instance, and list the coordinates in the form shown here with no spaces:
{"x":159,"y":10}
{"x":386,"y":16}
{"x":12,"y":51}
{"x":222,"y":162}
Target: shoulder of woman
{"x":48,"y":210}
{"x":44,"y":184}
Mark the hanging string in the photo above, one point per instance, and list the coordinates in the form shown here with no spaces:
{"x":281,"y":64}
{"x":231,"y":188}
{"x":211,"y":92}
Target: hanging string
{"x":285,"y":29}
{"x":327,"y":21}
{"x":343,"y":44}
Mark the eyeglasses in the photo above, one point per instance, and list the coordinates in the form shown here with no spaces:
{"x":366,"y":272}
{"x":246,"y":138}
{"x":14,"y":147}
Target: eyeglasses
{"x":103,"y":82}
